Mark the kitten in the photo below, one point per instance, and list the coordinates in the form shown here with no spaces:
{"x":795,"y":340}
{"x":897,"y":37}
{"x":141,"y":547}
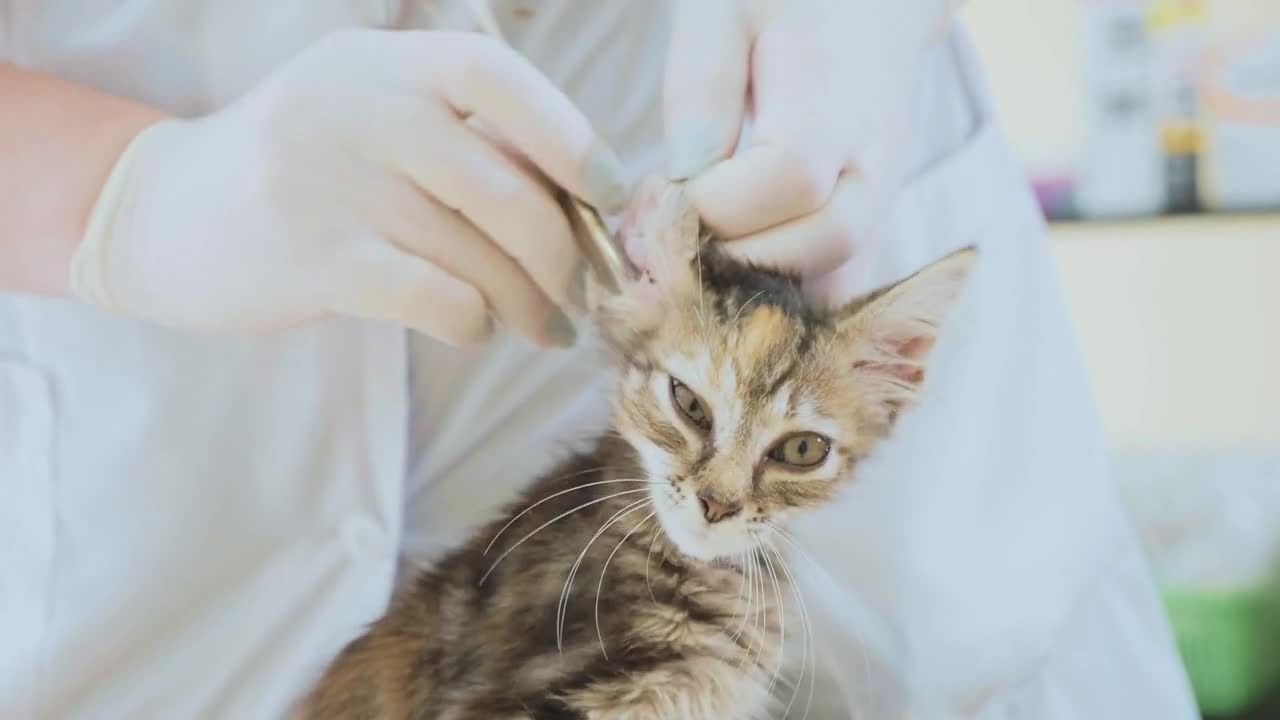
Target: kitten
{"x":645,"y":579}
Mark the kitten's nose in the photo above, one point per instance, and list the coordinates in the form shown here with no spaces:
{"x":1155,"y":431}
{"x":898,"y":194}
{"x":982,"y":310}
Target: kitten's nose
{"x":715,"y":510}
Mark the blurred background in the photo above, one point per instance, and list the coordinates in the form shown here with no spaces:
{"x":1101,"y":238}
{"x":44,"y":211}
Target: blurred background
{"x":1151,"y":132}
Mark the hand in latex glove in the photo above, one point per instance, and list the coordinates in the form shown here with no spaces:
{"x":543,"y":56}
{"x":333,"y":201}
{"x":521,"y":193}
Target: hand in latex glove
{"x":356,"y":181}
{"x":828,"y":86}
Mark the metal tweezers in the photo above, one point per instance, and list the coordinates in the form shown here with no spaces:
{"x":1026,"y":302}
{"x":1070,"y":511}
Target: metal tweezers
{"x":607,"y":259}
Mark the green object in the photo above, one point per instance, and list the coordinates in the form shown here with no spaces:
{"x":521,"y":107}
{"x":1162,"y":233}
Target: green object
{"x":1230,"y":644}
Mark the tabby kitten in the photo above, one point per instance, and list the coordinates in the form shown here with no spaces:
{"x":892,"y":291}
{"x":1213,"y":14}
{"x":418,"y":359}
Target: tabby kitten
{"x":645,"y":579}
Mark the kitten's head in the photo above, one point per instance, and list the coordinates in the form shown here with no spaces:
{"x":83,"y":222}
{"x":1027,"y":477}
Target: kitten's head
{"x":745,"y":402}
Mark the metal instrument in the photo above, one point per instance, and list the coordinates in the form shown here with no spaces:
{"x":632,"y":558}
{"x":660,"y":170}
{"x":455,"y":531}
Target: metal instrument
{"x":608,"y":261}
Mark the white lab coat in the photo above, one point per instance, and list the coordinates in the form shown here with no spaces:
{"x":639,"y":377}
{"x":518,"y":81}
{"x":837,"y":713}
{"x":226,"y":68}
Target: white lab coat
{"x":190,"y":527}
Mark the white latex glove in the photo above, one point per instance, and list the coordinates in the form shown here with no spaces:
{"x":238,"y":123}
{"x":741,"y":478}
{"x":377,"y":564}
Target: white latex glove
{"x":826,"y":87}
{"x":356,"y":181}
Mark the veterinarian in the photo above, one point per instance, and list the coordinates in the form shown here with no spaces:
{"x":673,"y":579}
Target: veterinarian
{"x":257,"y":361}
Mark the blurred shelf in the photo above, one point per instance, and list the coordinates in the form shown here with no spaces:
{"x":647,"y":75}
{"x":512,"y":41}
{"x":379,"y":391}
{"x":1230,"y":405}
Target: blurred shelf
{"x":1264,"y":223}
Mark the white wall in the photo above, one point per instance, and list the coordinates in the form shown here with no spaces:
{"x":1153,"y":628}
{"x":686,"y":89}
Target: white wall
{"x":1029,"y":50}
{"x":1180,"y":324}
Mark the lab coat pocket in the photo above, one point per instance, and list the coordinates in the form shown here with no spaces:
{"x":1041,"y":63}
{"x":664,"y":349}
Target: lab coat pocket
{"x":26,"y":531}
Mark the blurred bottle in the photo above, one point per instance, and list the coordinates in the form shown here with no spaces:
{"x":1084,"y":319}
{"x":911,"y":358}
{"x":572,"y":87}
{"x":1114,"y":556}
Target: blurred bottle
{"x":1239,"y":82}
{"x":1179,"y":31}
{"x":1121,"y":170}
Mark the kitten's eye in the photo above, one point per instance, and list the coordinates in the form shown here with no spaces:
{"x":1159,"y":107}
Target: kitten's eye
{"x":802,"y":450}
{"x":690,"y":405}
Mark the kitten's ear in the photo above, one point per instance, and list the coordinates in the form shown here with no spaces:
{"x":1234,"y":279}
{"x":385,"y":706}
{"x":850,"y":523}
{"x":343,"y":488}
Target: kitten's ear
{"x":890,"y":333}
{"x":661,"y":232}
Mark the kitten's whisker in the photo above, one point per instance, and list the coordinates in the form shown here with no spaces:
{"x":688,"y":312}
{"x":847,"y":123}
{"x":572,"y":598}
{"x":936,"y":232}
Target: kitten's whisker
{"x":762,"y":615}
{"x":555,"y":495}
{"x":742,"y":585}
{"x":702,"y":318}
{"x":702,"y":292}
{"x":563,"y":609}
{"x":755,"y":612}
{"x":553,"y":520}
{"x":782,"y":621}
{"x":562,"y":605}
{"x":657,"y":532}
{"x":746,"y":609}
{"x":807,"y":650}
{"x":748,"y":606}
{"x":605,"y":569}
{"x":804,"y":554}
{"x":598,"y":468}
{"x":744,"y":305}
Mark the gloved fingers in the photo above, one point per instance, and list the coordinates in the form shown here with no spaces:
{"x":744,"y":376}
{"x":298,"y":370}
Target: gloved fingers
{"x":433,"y":232}
{"x":706,"y":84}
{"x":481,"y":76}
{"x":799,"y":140}
{"x":821,"y":240}
{"x":510,"y":151}
{"x":381,"y":282}
{"x":458,"y":167}
{"x":578,"y":276}
{"x":836,"y":287}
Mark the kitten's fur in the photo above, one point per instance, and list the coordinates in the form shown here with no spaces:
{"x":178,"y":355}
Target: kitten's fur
{"x":674,"y":611}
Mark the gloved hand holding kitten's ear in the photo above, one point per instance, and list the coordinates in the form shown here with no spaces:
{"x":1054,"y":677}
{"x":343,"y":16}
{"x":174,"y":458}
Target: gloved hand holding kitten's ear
{"x":351,"y":182}
{"x":828,"y":88}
